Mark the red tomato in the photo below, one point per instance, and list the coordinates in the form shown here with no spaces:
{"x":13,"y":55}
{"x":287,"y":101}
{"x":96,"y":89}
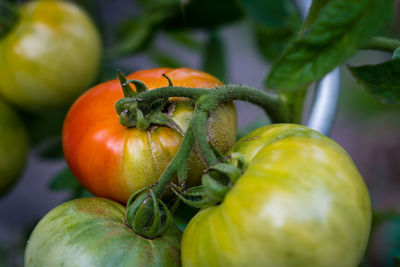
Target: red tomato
{"x":114,"y":161}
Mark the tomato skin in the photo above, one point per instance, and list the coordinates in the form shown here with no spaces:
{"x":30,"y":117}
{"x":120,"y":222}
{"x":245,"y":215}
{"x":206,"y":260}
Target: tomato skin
{"x":114,"y":161}
{"x":13,"y":147}
{"x":301,"y":202}
{"x":50,"y":56}
{"x":93,"y":232}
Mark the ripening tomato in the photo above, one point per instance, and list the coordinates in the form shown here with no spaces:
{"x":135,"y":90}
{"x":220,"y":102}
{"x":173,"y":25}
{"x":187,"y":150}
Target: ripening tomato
{"x":114,"y":161}
{"x":301,"y":202}
{"x":13,"y":147}
{"x":50,"y":56}
{"x":93,"y":232}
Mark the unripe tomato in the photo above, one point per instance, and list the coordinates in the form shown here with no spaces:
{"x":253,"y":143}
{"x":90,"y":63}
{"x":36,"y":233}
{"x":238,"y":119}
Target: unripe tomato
{"x":114,"y":161}
{"x":92,"y":232}
{"x":301,"y":202}
{"x":13,"y":147}
{"x":50,"y":56}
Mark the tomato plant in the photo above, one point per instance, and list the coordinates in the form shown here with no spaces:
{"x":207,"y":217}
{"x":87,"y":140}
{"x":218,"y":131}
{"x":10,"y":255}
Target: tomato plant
{"x":114,"y":161}
{"x":93,"y":232}
{"x":300,"y":202}
{"x":49,"y":56}
{"x":13,"y":147}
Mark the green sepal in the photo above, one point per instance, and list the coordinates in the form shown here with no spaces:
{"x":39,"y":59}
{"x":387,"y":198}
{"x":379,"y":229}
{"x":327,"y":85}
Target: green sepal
{"x":169,"y":218}
{"x":155,"y":227}
{"x":169,"y":80}
{"x":141,"y":122}
{"x":226,"y":169}
{"x":140,"y":218}
{"x":216,"y":189}
{"x":126,"y":88}
{"x":123,"y":104}
{"x":140,"y":86}
{"x":238,"y":160}
{"x":132,"y":205}
{"x":196,"y":197}
{"x":144,"y":215}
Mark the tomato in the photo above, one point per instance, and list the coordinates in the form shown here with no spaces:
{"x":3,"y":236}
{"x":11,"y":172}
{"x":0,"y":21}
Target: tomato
{"x":50,"y":56}
{"x":114,"y":161}
{"x":93,"y":232}
{"x":300,"y":202}
{"x":13,"y":147}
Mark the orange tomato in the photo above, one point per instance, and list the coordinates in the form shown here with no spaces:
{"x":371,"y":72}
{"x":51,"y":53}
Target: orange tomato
{"x":114,"y":161}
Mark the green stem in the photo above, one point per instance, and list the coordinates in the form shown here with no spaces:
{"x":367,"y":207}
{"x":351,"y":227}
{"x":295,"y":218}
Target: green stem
{"x":274,"y":105}
{"x":204,"y":106}
{"x":182,"y":155}
{"x":206,"y":102}
{"x":142,"y":211}
{"x":383,"y":44}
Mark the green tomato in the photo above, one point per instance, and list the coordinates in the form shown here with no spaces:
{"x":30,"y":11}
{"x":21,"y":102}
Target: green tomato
{"x":93,"y":232}
{"x":13,"y":147}
{"x":300,"y":202}
{"x":50,"y":56}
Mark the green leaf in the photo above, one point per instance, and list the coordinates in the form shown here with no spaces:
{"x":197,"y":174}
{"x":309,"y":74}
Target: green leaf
{"x":272,"y":41}
{"x":396,"y":53}
{"x":51,"y":149}
{"x":185,"y":38}
{"x":64,"y":180}
{"x":382,"y":81}
{"x":164,"y":59}
{"x":214,"y":57}
{"x":44,"y":125}
{"x":269,"y":13}
{"x":313,"y":14}
{"x":333,"y":35}
{"x":136,"y":33}
{"x":207,"y":14}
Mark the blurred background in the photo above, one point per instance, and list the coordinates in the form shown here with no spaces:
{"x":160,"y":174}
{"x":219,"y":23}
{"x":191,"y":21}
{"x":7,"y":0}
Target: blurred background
{"x":234,"y":44}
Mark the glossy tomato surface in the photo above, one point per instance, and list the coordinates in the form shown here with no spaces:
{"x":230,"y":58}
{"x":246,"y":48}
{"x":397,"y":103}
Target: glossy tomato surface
{"x":13,"y":147}
{"x":50,"y":56}
{"x":114,"y":161}
{"x":301,"y":202}
{"x":92,"y":232}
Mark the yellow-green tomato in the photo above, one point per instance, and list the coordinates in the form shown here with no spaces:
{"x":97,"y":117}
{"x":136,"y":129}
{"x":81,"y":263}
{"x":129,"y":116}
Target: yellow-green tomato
{"x":301,"y":202}
{"x":13,"y":147}
{"x":50,"y":56}
{"x":92,"y":232}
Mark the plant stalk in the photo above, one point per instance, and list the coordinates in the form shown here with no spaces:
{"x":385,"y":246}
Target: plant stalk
{"x":274,"y":105}
{"x":382,"y":44}
{"x":206,"y":101}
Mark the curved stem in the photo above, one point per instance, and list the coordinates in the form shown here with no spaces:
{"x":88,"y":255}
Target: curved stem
{"x":207,"y":101}
{"x":172,"y":91}
{"x":204,"y":106}
{"x":274,"y":105}
{"x":143,"y":212}
{"x":181,"y":156}
{"x":383,"y":44}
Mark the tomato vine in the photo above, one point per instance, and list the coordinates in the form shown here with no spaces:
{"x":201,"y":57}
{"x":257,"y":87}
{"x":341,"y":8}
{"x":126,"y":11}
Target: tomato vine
{"x":143,"y":107}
